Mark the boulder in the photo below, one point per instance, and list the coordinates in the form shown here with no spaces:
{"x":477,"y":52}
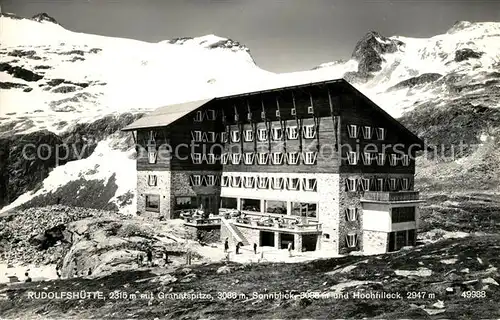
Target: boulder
{"x":224,"y":270}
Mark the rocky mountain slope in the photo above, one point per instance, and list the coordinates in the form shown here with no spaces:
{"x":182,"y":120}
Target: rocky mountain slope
{"x":60,"y":86}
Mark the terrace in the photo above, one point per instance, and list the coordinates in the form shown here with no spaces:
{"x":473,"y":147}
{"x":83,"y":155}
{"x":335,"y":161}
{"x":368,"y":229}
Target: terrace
{"x":390,"y":197}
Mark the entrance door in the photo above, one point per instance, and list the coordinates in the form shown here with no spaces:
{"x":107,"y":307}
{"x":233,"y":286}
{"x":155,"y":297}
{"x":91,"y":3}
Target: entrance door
{"x":266,"y":239}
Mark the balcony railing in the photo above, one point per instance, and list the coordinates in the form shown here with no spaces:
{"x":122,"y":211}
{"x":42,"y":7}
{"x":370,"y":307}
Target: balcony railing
{"x":213,"y":221}
{"x":387,"y":196}
{"x":277,"y":222}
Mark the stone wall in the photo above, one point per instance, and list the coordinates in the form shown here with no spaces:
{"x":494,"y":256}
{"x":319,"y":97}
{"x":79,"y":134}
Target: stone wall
{"x":352,"y":200}
{"x":206,"y":234}
{"x":162,"y":189}
{"x":375,"y":242}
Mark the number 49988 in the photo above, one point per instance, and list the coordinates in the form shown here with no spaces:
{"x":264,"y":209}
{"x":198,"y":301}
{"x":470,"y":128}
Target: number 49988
{"x":473,"y":294}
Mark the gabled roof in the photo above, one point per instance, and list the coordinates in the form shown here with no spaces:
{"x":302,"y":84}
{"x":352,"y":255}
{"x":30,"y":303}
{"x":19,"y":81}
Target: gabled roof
{"x":164,"y":116}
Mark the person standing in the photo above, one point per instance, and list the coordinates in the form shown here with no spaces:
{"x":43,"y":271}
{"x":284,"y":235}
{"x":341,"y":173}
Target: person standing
{"x":255,"y":248}
{"x":226,"y":245}
{"x":165,"y":257}
{"x":150,"y":257}
{"x":238,"y":248}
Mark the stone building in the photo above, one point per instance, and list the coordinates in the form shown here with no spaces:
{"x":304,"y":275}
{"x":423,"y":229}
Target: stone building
{"x":316,"y":165}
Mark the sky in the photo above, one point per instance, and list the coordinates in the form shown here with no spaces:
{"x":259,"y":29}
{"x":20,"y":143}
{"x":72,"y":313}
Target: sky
{"x":283,"y":35}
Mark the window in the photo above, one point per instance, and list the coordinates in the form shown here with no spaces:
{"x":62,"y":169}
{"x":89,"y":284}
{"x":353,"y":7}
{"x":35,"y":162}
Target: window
{"x":152,"y":155}
{"x":308,"y":210}
{"x":365,"y":184}
{"x":276,"y":207}
{"x":223,"y":137}
{"x":250,"y":205}
{"x":381,"y":133}
{"x":351,"y":240}
{"x":262,"y":134}
{"x":152,"y":180}
{"x":152,"y":152}
{"x":277,"y":134}
{"x":209,"y":136}
{"x":263,"y":183}
{"x":310,"y":110}
{"x":249,"y":182}
{"x":236,"y":158}
{"x":278,"y":183}
{"x":235,"y":136}
{"x":278,"y":113}
{"x":393,"y":159}
{"x":405,"y":184}
{"x":198,"y":116}
{"x":196,"y":157}
{"x":224,"y":158}
{"x":309,"y":184}
{"x":210,"y":158}
{"x":236,"y":181}
{"x":185,"y":203}
{"x":405,"y":160}
{"x":293,"y":111}
{"x":196,"y":136}
{"x":367,"y":132}
{"x":292,"y":133}
{"x":309,"y":157}
{"x":351,"y":184}
{"x":195,"y":180}
{"x":381,"y":159}
{"x":292,"y":157}
{"x":278,"y":158}
{"x":249,"y":156}
{"x":403,"y":214}
{"x":263,"y":158}
{"x":153,"y":202}
{"x":293,"y":184}
{"x":228,"y":203}
{"x":393,"y":184}
{"x":309,"y":132}
{"x":367,"y":158}
{"x":352,"y":130}
{"x":351,"y":214}
{"x":210,"y":180}
{"x":225,"y":181}
{"x":248,"y":135}
{"x":381,"y":184}
{"x":210,"y":114}
{"x":352,"y":158}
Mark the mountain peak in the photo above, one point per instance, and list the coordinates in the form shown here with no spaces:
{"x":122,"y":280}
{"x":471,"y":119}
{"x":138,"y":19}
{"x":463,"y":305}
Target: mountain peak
{"x":370,"y":48}
{"x":40,"y":17}
{"x":211,"y":41}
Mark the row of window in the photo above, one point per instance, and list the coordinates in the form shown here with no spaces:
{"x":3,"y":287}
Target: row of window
{"x":200,"y":115}
{"x":300,"y":209}
{"x":264,"y":158}
{"x":403,"y":214}
{"x":278,"y":113}
{"x":380,"y":158}
{"x":367,"y":132}
{"x":275,"y":133}
{"x":209,"y":180}
{"x":377,"y":184}
{"x":275,"y":183}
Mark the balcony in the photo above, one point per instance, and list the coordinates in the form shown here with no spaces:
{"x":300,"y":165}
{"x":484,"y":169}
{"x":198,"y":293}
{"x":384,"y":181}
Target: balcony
{"x":277,"y":223}
{"x":202,"y":222}
{"x":389,"y":197}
